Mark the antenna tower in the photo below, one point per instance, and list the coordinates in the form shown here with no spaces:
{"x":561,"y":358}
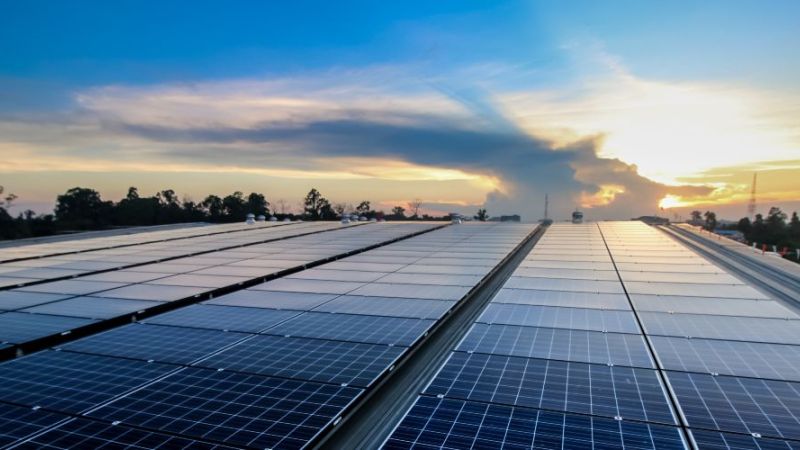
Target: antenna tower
{"x":751,"y":206}
{"x":546,"y":205}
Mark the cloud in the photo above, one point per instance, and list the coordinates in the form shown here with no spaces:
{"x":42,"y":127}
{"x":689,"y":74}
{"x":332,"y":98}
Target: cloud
{"x":381,"y":124}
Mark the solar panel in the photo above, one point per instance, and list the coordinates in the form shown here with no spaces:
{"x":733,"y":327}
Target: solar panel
{"x":422,"y":291}
{"x":228,"y":318}
{"x":563,"y":299}
{"x":779,"y":331}
{"x":155,"y":342}
{"x":72,"y":382}
{"x":433,"y":279}
{"x":457,"y":424}
{"x":562,"y":344}
{"x":747,"y":359}
{"x":10,"y":300}
{"x":712,"y":305}
{"x":745,"y":405}
{"x":312,"y":286}
{"x":307,"y":359}
{"x":154,"y":292}
{"x":18,"y":327}
{"x":354,"y":328}
{"x":272,"y":299}
{"x":694,"y":289}
{"x":574,"y":274}
{"x":325,"y":273}
{"x":74,"y":287}
{"x":92,"y":307}
{"x":621,"y":392}
{"x":713,"y":440}
{"x":232,"y":408}
{"x":83,"y":433}
{"x":446,"y":269}
{"x":207,"y":281}
{"x":560,"y":284}
{"x":555,"y":317}
{"x":17,"y":422}
{"x":387,"y":306}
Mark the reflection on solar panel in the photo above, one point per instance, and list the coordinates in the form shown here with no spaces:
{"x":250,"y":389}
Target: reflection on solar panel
{"x":82,"y":433}
{"x":456,"y":424}
{"x":355,"y":328}
{"x":233,"y":408}
{"x":227,"y":318}
{"x":17,"y":422}
{"x":16,"y":327}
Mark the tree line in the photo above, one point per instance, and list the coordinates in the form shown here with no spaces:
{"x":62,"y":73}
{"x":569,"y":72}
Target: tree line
{"x":777,"y":228}
{"x":81,"y":209}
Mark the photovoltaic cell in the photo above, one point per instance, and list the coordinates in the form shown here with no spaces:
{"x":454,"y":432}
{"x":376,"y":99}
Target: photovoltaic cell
{"x":92,"y":307}
{"x":156,"y":342}
{"x":18,"y":327}
{"x":747,"y":359}
{"x":307,"y":359}
{"x":356,"y":328}
{"x":387,"y":306}
{"x":713,"y":440}
{"x":91,"y":434}
{"x":423,"y":291}
{"x":456,"y":424}
{"x":553,"y":343}
{"x":625,"y":392}
{"x":153,"y":292}
{"x":72,"y":382}
{"x":779,"y":331}
{"x":233,"y":408}
{"x":218,"y":317}
{"x":563,"y":299}
{"x":715,"y":306}
{"x":555,"y":317}
{"x":744,"y":405}
{"x":17,"y":422}
{"x":10,"y":300}
{"x":272,"y":299}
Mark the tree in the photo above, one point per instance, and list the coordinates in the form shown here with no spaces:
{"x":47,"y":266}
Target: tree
{"x":744,"y":225}
{"x":212,"y":205}
{"x":234,"y":207}
{"x":363,"y":208}
{"x":697,"y":217}
{"x":82,"y":208}
{"x":414,"y":206}
{"x":711,"y":221}
{"x":482,"y":215}
{"x":398,"y":213}
{"x":133,"y":193}
{"x":257,"y":204}
{"x":317,"y":207}
{"x":794,"y":226}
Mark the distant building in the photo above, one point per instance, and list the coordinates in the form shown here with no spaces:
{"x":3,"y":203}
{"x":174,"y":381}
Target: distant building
{"x":509,"y":218}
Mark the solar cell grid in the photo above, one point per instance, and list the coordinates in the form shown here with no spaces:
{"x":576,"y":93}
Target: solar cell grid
{"x":422,"y":291}
{"x":325,"y":273}
{"x":233,"y":408}
{"x":751,"y":329}
{"x":11,"y":300}
{"x":19,"y":327}
{"x":83,"y":433}
{"x":711,"y":440}
{"x":320,"y":360}
{"x":17,"y":422}
{"x":227,"y":318}
{"x":92,"y":307}
{"x":387,"y":306}
{"x":311,"y":286}
{"x":153,"y":292}
{"x":556,"y":317}
{"x":748,"y":359}
{"x":693,"y":289}
{"x":355,"y":328}
{"x":561,"y":284}
{"x":455,"y":424}
{"x":72,"y":382}
{"x":745,"y":405}
{"x":562,"y":299}
{"x":713,"y":306}
{"x":431,"y":279}
{"x":75,"y":287}
{"x":561,"y":344}
{"x":629,"y":393}
{"x":147,"y":342}
{"x":272,"y":299}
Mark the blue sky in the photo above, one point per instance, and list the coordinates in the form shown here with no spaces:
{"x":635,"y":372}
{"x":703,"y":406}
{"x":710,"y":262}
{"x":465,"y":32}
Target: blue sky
{"x":66,"y":64}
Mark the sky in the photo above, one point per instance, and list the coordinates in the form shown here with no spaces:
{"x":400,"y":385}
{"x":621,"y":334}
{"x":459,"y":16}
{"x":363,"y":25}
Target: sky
{"x":619,"y":108}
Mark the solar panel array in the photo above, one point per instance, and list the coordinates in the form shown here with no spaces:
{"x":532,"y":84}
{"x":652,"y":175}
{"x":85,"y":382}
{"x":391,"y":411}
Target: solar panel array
{"x":31,"y":251}
{"x":52,"y":308}
{"x":65,"y":266}
{"x":556,"y":360}
{"x":271,"y":366}
{"x":731,"y":354}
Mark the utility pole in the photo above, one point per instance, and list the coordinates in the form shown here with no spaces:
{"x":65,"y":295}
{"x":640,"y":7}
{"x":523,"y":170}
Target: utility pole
{"x":546,"y":206}
{"x":751,"y":206}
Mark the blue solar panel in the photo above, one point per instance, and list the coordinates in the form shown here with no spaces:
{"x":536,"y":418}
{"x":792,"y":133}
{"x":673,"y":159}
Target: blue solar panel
{"x":713,"y":440}
{"x":307,"y":359}
{"x":387,"y":306}
{"x":217,"y":317}
{"x":18,"y":327}
{"x":233,"y":408}
{"x":17,"y":422}
{"x":93,"y":307}
{"x":155,"y":342}
{"x":91,"y":434}
{"x":779,"y":331}
{"x":355,"y":328}
{"x":743,"y":405}
{"x":435,"y":423}
{"x":72,"y":382}
{"x":272,"y":299}
{"x":10,"y":300}
{"x":556,"y":317}
{"x":622,"y":392}
{"x":748,"y":359}
{"x":562,"y":344}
